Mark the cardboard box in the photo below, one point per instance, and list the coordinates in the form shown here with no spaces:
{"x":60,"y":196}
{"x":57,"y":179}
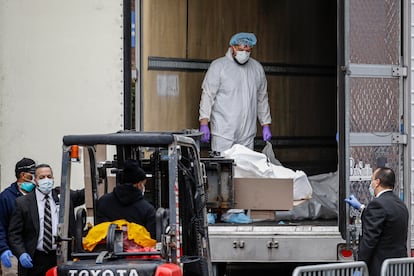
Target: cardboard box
{"x":263,"y":193}
{"x":263,"y":214}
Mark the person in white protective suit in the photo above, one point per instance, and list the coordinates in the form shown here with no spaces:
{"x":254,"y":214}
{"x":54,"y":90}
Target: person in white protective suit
{"x":234,"y":95}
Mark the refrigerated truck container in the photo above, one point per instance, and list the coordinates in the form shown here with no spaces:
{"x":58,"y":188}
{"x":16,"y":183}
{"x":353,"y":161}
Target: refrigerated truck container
{"x":375,"y":110}
{"x":65,"y":69}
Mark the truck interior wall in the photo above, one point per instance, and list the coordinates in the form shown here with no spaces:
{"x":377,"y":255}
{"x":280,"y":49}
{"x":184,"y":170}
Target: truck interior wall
{"x":290,"y":33}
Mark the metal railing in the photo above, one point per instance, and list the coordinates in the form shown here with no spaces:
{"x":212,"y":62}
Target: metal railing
{"x":398,"y":267}
{"x":333,"y":269}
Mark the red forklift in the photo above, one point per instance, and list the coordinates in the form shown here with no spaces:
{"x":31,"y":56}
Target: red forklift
{"x":175,"y":187}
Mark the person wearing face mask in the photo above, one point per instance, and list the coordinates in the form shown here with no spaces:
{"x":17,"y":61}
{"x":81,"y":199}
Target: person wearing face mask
{"x":27,"y":228}
{"x":127,"y":201}
{"x":26,"y":237}
{"x":384,"y":222}
{"x":234,"y":95}
{"x":24,"y":171}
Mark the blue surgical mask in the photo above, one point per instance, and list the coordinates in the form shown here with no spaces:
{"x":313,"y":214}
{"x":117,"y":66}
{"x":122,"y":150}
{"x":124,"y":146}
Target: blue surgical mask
{"x":27,"y":186}
{"x":45,"y":185}
{"x":371,"y":191}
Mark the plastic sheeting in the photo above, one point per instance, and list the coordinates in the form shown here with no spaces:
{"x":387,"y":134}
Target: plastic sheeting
{"x":268,"y":151}
{"x":322,"y":205}
{"x":324,"y":201}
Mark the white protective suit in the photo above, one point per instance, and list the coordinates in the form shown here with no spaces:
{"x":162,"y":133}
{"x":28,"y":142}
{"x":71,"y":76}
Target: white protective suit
{"x":233,"y":96}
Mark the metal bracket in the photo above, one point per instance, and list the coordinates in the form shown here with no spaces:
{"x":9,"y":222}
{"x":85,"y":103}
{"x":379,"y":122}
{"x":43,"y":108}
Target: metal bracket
{"x":272,"y":244}
{"x":374,"y":70}
{"x":345,"y":69}
{"x":238,"y":244}
{"x":399,"y":139}
{"x":101,"y":257}
{"x":377,"y":139}
{"x":399,"y":71}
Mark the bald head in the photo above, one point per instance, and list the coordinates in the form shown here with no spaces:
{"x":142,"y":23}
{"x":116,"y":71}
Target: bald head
{"x":386,"y":177}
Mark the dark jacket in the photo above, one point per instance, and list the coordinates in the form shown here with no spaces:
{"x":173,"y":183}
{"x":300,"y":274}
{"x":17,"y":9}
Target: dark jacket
{"x":24,"y":228}
{"x":384,"y":231}
{"x":7,"y":205}
{"x":24,"y":225}
{"x":126,"y":202}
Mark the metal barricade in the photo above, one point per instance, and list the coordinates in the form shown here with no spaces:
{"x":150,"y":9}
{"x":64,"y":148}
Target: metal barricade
{"x":333,"y":269}
{"x":398,"y":267}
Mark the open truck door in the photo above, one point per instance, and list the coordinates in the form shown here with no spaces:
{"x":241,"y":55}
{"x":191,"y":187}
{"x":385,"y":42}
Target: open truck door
{"x":373,"y":104}
{"x":174,"y":186}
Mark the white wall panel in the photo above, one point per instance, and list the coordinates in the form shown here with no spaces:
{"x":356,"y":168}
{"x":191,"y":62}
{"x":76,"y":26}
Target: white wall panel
{"x":61,"y":72}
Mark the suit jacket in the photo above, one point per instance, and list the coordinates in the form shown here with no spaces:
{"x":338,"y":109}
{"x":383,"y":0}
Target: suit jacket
{"x":384,"y":231}
{"x":24,"y":224}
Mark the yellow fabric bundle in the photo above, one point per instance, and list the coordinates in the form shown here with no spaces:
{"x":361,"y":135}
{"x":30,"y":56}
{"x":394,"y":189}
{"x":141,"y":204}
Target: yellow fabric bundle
{"x":136,"y":232}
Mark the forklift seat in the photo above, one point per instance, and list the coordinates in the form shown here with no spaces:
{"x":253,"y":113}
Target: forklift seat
{"x":162,"y":222}
{"x":80,"y":223}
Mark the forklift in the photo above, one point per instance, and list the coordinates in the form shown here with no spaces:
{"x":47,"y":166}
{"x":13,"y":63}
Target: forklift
{"x":175,"y":187}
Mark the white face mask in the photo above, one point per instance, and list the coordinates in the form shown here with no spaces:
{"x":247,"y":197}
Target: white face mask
{"x":242,"y":56}
{"x":45,"y":185}
{"x":371,"y":191}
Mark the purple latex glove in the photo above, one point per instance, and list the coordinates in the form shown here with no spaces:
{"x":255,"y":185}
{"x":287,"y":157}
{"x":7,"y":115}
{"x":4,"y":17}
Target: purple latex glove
{"x":206,"y":137}
{"x":267,"y":135}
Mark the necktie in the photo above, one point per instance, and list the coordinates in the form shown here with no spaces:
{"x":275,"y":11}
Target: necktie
{"x":47,"y":227}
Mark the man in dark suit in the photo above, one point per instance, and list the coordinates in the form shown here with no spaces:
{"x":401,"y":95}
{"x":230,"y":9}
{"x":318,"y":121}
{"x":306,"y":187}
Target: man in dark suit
{"x":384,"y":223}
{"x":27,"y":228}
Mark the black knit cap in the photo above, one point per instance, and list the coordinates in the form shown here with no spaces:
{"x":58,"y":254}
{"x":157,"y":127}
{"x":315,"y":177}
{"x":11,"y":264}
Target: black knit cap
{"x":25,"y":165}
{"x":132,"y":172}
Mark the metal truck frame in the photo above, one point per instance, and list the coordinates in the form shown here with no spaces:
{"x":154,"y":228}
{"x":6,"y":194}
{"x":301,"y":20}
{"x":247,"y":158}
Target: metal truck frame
{"x":375,"y":112}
